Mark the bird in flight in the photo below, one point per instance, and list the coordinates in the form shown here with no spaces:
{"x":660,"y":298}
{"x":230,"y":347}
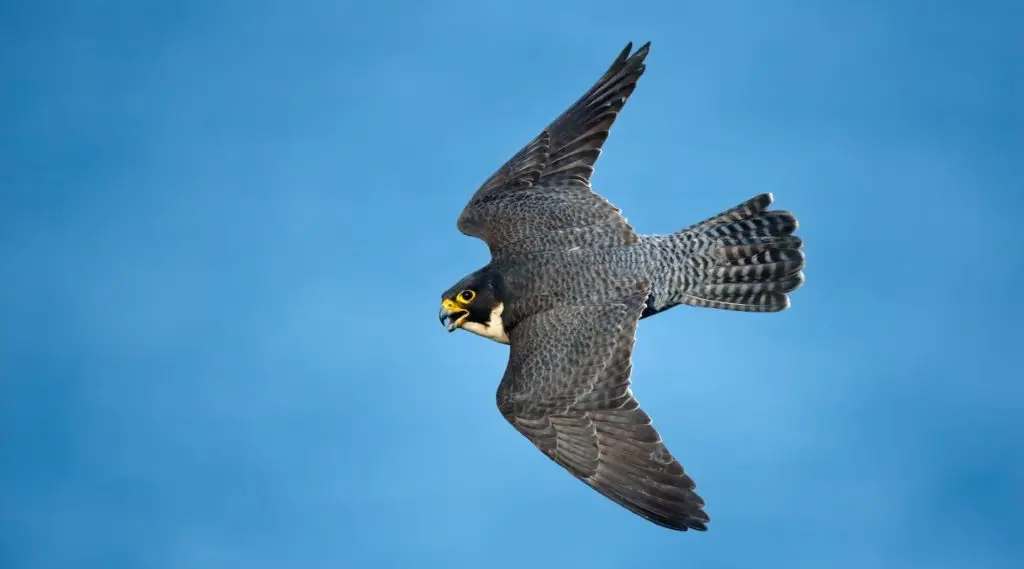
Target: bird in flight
{"x":568,"y":281}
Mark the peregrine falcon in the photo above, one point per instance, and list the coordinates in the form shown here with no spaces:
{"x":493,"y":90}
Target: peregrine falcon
{"x":568,"y":281}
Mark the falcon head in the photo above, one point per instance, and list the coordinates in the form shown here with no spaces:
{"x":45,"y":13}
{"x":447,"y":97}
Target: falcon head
{"x":475,"y":304}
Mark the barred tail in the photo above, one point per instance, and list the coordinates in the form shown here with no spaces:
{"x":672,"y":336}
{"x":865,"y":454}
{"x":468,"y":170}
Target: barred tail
{"x":746,"y":258}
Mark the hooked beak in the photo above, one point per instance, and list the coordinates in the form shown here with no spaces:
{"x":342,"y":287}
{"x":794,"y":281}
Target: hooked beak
{"x":452,"y":315}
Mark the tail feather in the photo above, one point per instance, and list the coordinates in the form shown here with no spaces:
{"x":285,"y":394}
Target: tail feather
{"x":766,"y":224}
{"x":737,"y":290}
{"x":746,"y":258}
{"x":745,"y":210}
{"x":764,"y":266}
{"x":757,"y":245}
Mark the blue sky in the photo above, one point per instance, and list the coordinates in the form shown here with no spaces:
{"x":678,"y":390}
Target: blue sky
{"x":225,"y":227}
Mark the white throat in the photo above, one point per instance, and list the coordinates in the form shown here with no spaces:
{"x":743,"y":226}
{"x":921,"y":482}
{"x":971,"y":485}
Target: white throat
{"x":494,"y":329}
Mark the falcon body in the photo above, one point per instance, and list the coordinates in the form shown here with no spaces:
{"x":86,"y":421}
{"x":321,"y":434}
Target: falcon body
{"x":568,"y":281}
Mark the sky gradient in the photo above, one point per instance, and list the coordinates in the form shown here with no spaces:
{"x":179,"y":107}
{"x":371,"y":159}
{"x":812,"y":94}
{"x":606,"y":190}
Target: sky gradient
{"x":225,"y":227}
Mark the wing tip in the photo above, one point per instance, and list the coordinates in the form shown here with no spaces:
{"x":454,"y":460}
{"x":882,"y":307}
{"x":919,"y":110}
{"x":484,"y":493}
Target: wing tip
{"x":678,"y":521}
{"x":643,"y":50}
{"x":624,"y":54}
{"x":629,"y":57}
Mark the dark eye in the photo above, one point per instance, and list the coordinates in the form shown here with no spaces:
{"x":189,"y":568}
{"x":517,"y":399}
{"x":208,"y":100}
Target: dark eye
{"x":467,"y":296}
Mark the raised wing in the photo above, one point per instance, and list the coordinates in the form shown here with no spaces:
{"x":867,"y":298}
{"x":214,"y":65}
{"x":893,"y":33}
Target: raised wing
{"x":541,"y":198}
{"x":567,"y":389}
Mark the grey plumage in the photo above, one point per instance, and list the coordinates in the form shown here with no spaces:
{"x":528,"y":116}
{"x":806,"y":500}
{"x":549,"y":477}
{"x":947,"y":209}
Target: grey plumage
{"x":568,"y":282}
{"x":540,"y":200}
